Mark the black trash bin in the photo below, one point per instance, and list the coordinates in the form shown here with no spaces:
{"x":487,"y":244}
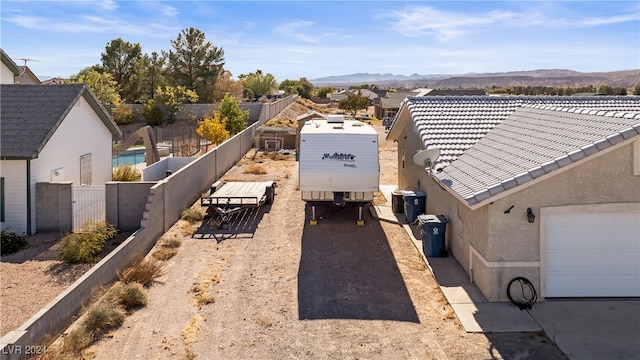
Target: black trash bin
{"x":433,"y":235}
{"x":397,"y":203}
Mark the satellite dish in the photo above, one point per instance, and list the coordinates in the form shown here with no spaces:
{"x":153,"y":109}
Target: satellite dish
{"x":426,"y":157}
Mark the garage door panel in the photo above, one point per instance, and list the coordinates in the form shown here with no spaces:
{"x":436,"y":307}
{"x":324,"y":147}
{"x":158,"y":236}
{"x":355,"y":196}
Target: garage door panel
{"x":590,"y":255}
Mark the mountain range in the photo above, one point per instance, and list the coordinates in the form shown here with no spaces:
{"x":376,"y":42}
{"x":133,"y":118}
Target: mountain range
{"x":541,"y":77}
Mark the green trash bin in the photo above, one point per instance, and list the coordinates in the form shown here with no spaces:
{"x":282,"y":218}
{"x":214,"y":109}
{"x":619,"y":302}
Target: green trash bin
{"x":433,"y":235}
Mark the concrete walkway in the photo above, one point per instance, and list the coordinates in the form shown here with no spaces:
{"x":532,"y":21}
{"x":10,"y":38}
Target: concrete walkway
{"x":581,"y":328}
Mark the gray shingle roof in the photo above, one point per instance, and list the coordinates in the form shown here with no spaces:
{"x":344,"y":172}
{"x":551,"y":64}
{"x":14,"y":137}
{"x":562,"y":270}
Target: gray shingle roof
{"x":535,"y":140}
{"x":455,"y":123}
{"x":30,"y":114}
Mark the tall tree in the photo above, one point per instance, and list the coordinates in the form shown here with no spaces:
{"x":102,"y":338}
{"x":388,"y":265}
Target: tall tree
{"x":259,"y":83}
{"x":102,"y":85}
{"x":195,"y":63}
{"x":152,"y":73}
{"x":119,"y":60}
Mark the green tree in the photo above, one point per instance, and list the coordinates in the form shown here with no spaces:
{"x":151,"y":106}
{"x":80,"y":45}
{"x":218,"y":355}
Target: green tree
{"x":152,"y":72}
{"x":152,"y":113}
{"x":324,"y":91}
{"x":291,"y":87}
{"x":103,"y":86}
{"x":195,"y":63}
{"x":353,"y":103}
{"x":120,"y":59}
{"x":173,"y":98}
{"x":234,"y":117}
{"x":259,"y":83}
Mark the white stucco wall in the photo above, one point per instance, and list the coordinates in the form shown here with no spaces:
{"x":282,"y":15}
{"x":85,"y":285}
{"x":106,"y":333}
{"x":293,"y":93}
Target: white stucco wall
{"x":81,"y":132}
{"x":14,"y":173}
{"x":6,"y":75}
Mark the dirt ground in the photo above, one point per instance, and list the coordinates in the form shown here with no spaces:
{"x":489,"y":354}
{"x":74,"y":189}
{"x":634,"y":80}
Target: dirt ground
{"x":280,"y":288}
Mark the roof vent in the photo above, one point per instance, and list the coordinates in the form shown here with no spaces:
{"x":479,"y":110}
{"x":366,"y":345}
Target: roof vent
{"x":335,"y":119}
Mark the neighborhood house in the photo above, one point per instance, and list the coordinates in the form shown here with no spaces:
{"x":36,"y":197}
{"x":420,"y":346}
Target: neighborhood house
{"x":546,"y":188}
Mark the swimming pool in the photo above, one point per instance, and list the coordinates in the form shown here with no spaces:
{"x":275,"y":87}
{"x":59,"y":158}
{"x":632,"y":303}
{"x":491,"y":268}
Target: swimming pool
{"x":129,"y":157}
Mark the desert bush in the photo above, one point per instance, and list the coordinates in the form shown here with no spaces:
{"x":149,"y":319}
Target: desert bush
{"x":123,"y":114}
{"x":130,"y":295}
{"x":255,"y":170}
{"x":164,"y":254}
{"x":11,"y":243}
{"x":193,"y":215}
{"x":143,"y":271}
{"x":103,"y":315}
{"x":126,"y":173}
{"x":76,"y":340}
{"x":171,"y":242}
{"x":84,"y":246}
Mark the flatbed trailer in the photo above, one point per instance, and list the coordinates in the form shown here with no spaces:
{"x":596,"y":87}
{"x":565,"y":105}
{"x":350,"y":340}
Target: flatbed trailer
{"x":232,"y":197}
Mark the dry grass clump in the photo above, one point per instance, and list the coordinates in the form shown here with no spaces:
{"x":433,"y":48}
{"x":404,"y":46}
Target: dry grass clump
{"x":167,"y":248}
{"x":255,"y":170}
{"x":102,"y":316}
{"x":143,"y":271}
{"x":130,"y":295}
{"x":126,"y":173}
{"x":192,"y":215}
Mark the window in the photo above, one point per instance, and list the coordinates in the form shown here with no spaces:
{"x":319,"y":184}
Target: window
{"x":85,"y":169}
{"x":2,"y":202}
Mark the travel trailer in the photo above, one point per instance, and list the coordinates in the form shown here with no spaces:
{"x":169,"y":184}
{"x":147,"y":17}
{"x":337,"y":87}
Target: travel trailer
{"x":339,"y":163}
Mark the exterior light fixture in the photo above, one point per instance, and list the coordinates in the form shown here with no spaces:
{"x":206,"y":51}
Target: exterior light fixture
{"x":530,"y":216}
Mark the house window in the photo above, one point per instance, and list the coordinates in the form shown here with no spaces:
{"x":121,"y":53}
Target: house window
{"x":2,"y":202}
{"x":85,"y":169}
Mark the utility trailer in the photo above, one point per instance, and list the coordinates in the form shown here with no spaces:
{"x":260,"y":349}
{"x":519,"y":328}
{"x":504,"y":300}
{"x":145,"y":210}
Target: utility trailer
{"x":339,"y":163}
{"x":231,"y":197}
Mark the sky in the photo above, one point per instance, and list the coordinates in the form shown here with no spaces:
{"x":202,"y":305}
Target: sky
{"x":314,"y":39}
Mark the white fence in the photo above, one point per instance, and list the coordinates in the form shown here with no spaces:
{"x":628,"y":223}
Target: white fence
{"x":88,"y":204}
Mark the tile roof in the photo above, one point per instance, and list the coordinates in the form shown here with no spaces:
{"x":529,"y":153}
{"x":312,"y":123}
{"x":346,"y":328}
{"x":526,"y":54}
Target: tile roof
{"x":455,"y":123}
{"x":535,"y":140}
{"x":30,"y":114}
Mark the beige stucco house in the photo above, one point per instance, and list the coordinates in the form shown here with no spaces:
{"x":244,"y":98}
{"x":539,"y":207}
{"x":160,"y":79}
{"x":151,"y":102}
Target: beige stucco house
{"x":546,"y":188}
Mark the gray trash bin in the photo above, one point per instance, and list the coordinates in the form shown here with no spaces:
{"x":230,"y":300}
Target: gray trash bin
{"x":433,"y":235}
{"x":397,"y":203}
{"x":414,"y":202}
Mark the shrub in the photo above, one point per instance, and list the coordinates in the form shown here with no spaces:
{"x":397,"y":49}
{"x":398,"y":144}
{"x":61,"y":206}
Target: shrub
{"x":103,"y":316}
{"x":152,"y":113}
{"x":84,"y":246}
{"x":11,"y":243}
{"x":76,"y":340}
{"x":143,"y":271}
{"x":123,"y":114}
{"x":192,"y":215}
{"x":126,"y":173}
{"x":130,"y":295}
{"x":164,"y":254}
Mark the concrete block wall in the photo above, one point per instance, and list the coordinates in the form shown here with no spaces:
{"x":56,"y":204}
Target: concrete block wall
{"x":53,"y":208}
{"x":125,"y":202}
{"x":151,"y":208}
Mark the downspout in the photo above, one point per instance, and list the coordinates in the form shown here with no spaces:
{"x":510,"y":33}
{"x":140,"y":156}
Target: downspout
{"x":29,"y":197}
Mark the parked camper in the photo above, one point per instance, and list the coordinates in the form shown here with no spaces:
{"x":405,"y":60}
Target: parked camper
{"x":339,"y":163}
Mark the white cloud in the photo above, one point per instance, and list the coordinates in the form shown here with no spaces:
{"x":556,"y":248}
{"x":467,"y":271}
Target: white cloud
{"x":295,"y":29}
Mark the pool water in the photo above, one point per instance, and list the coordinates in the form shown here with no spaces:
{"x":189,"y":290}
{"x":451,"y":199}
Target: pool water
{"x":129,"y":157}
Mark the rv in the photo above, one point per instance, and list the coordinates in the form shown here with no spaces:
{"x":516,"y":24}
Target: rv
{"x":339,"y":163}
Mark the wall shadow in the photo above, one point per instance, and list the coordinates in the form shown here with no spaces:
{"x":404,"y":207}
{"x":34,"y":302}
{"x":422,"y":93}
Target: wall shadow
{"x":348,"y":271}
{"x":241,"y":225}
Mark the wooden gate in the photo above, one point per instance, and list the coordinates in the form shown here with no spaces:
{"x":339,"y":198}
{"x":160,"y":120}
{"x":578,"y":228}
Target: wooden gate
{"x":88,"y":204}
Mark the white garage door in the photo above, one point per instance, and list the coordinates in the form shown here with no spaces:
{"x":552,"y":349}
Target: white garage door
{"x":592,"y":255}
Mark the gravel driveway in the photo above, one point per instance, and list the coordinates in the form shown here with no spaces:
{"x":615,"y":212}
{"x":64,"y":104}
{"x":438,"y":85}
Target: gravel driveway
{"x":285,"y":289}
